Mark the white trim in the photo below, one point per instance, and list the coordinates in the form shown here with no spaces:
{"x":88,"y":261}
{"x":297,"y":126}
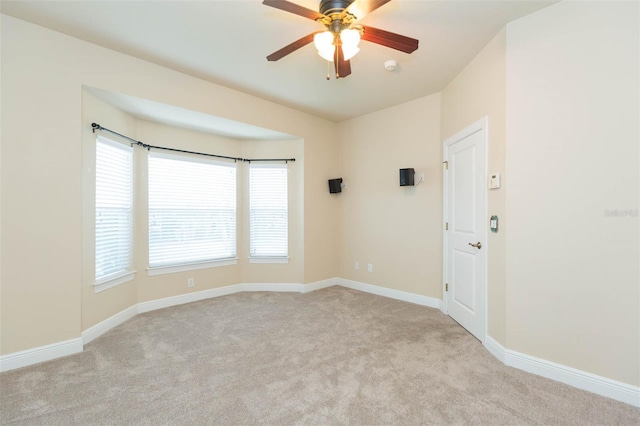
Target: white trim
{"x":99,"y":329}
{"x":600,"y":385}
{"x":181,"y":299}
{"x":391,"y":293}
{"x":485,"y":234}
{"x":116,"y":144}
{"x":161,"y":270}
{"x":277,"y":164}
{"x":445,"y":218}
{"x":105,"y":284}
{"x":579,"y":379}
{"x":330,"y":282}
{"x":269,"y":259}
{"x":40,"y":354}
{"x":274,"y":287}
{"x":494,"y":348}
{"x":69,"y":347}
{"x":217,"y":292}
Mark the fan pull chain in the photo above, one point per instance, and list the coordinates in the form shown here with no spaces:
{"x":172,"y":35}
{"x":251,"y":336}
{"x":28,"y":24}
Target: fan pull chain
{"x":328,"y":70}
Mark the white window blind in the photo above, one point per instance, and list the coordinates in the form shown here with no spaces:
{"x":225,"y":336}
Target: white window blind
{"x":268,"y":223}
{"x":192,"y":210}
{"x":114,"y":198}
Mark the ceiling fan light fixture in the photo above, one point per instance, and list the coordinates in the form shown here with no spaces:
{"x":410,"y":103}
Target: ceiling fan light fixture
{"x":327,"y":54}
{"x":340,"y":18}
{"x":324,"y":44}
{"x":349,"y":52}
{"x":350,"y":39}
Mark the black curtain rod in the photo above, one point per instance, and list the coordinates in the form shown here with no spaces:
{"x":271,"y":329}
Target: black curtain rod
{"x":96,"y":126}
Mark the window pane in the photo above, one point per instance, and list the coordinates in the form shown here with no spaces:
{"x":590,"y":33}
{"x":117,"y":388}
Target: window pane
{"x":114,"y":190}
{"x":268,"y":222}
{"x":192,"y":210}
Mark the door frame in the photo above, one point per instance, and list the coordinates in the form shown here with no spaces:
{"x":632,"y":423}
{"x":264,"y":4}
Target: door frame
{"x":481,"y":125}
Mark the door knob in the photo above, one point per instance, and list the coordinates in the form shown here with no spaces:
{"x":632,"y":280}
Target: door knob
{"x":477,"y":245}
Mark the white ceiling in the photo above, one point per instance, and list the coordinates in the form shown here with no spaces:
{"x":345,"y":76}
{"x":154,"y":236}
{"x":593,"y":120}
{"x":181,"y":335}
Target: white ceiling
{"x":188,"y":119}
{"x":226,"y":42}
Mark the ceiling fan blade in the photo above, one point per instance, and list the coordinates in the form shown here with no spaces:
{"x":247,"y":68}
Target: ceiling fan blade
{"x":279,"y":54}
{"x":389,"y":39}
{"x":361,"y":8}
{"x":342,"y":67}
{"x":287,"y":6}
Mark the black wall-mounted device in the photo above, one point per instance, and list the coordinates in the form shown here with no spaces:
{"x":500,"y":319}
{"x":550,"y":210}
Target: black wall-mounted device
{"x":407,"y":177}
{"x":335,"y":185}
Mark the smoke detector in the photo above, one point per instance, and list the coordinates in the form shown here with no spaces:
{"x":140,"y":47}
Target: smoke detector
{"x":390,"y":65}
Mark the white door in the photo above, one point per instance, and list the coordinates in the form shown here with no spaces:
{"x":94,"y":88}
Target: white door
{"x":465,"y":228}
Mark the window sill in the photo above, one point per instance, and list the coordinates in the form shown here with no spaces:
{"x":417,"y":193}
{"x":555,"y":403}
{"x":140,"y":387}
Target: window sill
{"x":161,"y":270}
{"x":113,"y":281}
{"x":269,"y":259}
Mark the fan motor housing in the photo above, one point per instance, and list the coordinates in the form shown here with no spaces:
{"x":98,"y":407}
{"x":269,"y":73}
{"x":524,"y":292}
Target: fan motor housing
{"x":330,"y":7}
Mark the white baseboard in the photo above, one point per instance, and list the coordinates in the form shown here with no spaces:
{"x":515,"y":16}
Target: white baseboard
{"x":391,"y":293}
{"x":217,"y":292}
{"x":49,"y":352}
{"x":494,"y":348}
{"x":99,"y":329}
{"x":274,"y":287}
{"x":40,"y":354}
{"x":320,"y":284}
{"x":181,"y":299}
{"x":69,"y":347}
{"x":580,"y":379}
{"x":561,"y":373}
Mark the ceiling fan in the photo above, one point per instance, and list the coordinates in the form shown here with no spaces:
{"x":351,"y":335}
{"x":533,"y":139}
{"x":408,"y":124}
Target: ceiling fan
{"x":339,"y":42}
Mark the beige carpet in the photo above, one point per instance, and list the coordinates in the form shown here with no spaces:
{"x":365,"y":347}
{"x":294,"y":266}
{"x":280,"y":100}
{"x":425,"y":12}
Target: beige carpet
{"x":334,"y":356}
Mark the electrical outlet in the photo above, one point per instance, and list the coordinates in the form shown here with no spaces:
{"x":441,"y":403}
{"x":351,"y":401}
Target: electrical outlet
{"x":370,"y":267}
{"x":190,"y":282}
{"x":357,"y":266}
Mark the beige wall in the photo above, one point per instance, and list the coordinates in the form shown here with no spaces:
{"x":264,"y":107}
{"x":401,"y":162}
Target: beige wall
{"x":572,"y":112}
{"x":41,"y":246}
{"x":480,"y":91}
{"x":321,"y":236}
{"x":43,"y":73}
{"x":96,"y":307}
{"x":396,"y":229}
{"x":568,"y":113}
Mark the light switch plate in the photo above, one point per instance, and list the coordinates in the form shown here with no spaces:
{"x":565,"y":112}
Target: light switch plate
{"x":494,"y":181}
